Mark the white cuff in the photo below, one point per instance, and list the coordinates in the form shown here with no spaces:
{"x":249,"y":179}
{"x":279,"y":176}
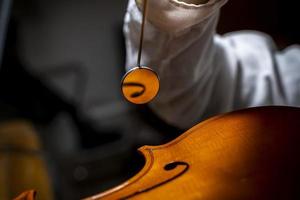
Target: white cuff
{"x":174,"y":15}
{"x":192,"y":2}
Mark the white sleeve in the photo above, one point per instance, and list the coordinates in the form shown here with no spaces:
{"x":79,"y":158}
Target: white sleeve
{"x":204,"y":74}
{"x":259,"y":74}
{"x":179,"y":46}
{"x":288,"y":62}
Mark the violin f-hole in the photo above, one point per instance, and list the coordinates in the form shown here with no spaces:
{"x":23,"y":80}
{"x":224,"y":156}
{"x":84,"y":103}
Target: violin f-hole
{"x":167,"y":167}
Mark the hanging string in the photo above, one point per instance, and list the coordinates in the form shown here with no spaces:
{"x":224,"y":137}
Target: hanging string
{"x":141,"y":84}
{"x":142,"y":34}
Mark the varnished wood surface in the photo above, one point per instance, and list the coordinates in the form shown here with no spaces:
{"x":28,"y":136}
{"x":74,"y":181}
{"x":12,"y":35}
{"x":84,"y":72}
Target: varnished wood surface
{"x":249,"y":154}
{"x":28,"y":195}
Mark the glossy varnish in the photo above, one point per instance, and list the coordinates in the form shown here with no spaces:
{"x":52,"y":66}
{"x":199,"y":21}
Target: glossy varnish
{"x":249,"y":154}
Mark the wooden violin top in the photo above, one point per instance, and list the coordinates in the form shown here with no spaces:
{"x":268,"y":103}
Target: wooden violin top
{"x":248,"y":154}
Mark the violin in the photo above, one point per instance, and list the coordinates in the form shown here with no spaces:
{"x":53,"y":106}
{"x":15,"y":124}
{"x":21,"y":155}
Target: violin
{"x":247,"y":154}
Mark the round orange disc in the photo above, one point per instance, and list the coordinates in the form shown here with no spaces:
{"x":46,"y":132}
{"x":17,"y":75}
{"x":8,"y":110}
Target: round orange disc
{"x":140,"y":85}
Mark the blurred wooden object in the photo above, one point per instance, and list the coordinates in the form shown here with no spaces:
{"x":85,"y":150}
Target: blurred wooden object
{"x":21,"y":164}
{"x":244,"y":155}
{"x":28,"y":195}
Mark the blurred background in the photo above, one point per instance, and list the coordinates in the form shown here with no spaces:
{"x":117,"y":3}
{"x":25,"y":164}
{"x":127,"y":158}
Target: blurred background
{"x":57,"y":55}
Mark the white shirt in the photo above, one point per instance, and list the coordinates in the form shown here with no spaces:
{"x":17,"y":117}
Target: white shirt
{"x":202,"y":73}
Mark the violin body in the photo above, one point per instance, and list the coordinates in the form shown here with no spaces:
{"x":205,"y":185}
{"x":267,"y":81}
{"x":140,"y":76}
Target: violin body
{"x":248,"y":154}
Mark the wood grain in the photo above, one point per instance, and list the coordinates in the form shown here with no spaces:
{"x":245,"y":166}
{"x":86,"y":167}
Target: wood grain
{"x":249,"y":154}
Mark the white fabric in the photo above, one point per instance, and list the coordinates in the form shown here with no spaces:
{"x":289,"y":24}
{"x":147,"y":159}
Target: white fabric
{"x":202,"y":73}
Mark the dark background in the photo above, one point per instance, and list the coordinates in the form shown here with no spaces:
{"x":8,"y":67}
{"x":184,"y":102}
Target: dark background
{"x":87,"y":154}
{"x":277,"y":18}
